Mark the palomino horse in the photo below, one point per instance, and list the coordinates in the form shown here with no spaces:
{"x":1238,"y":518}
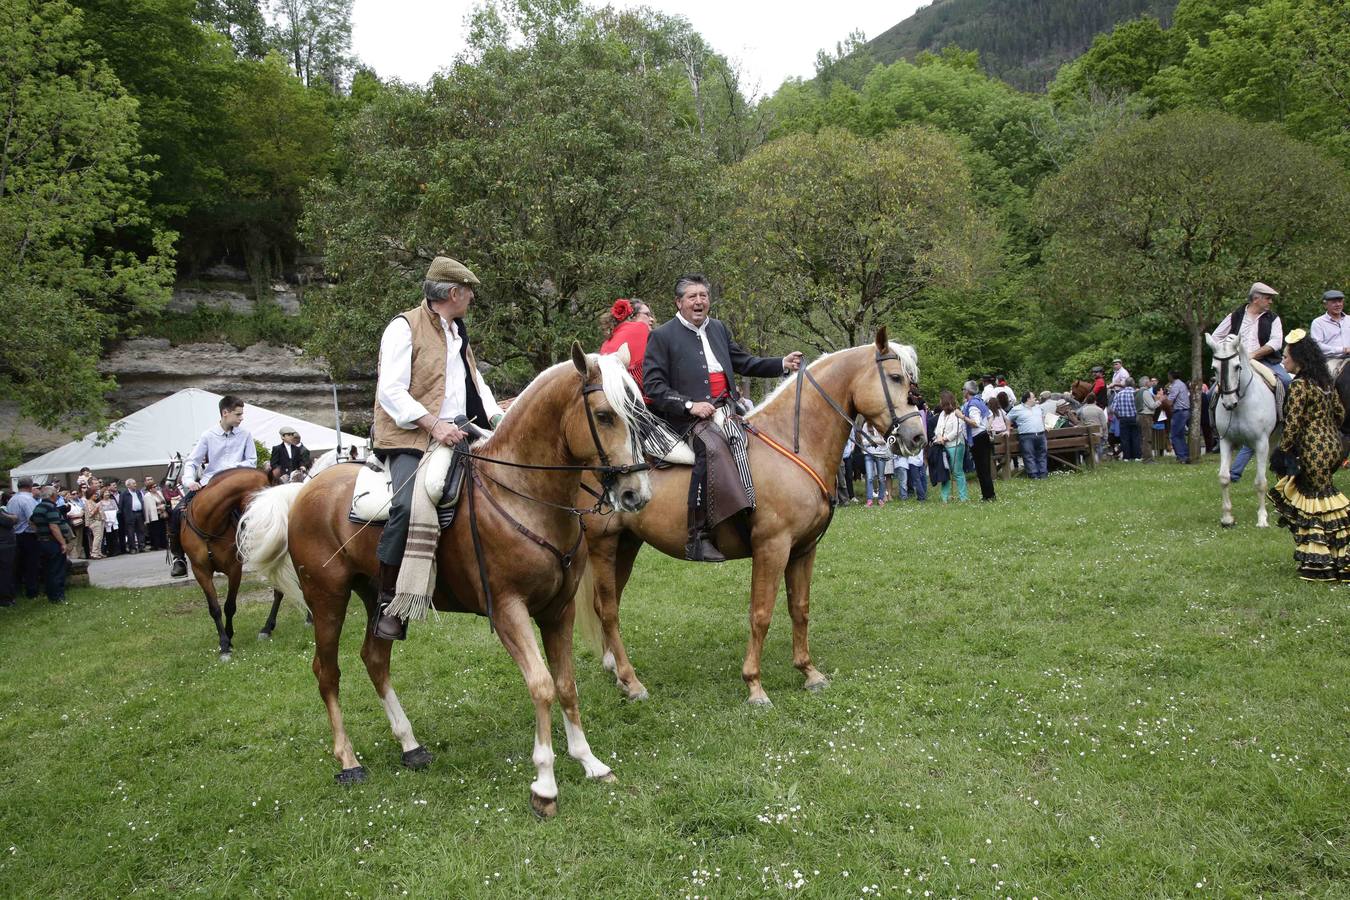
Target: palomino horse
{"x":792,"y":501}
{"x":1245,"y":417}
{"x":206,"y":531}
{"x":575,"y":417}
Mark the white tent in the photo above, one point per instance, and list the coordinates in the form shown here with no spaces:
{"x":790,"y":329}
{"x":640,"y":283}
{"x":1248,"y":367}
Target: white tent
{"x":144,"y":442}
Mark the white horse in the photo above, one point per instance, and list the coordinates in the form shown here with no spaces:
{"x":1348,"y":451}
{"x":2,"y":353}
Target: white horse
{"x":1245,"y":417}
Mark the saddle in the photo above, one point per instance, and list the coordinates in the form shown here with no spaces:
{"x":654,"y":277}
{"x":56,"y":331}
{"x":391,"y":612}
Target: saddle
{"x":373,"y":491}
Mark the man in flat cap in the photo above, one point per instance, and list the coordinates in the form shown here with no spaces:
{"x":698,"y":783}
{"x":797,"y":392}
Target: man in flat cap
{"x":289,"y":455}
{"x":1331,"y":331}
{"x":1262,"y":333}
{"x":687,"y":373}
{"x":1119,"y":374}
{"x":427,"y":377}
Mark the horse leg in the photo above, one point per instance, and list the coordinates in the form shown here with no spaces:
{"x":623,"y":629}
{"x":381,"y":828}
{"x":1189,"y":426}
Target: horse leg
{"x":1262,"y":461}
{"x":798,"y":576}
{"x":271,"y":623}
{"x":513,"y":627}
{"x":612,"y":559}
{"x":769,"y":559}
{"x":327,"y":631}
{"x":557,"y":637}
{"x":1225,"y":478}
{"x":375,"y":654}
{"x":208,"y":587}
{"x":231,"y":597}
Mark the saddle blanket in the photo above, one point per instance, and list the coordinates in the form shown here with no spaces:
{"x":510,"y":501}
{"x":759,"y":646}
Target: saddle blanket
{"x":374,"y":491}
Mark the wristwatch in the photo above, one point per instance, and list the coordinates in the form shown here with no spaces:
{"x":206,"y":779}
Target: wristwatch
{"x":688,"y":405}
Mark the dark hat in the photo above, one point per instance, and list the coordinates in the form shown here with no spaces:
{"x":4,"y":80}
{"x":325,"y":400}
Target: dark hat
{"x":443,"y":268}
{"x":1332,"y":295}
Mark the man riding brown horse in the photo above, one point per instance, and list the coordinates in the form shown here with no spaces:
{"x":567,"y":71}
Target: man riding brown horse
{"x":427,"y":378}
{"x":227,"y":445}
{"x":687,"y":375}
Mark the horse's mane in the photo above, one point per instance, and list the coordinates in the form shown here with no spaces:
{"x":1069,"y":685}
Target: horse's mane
{"x":620,"y":390}
{"x":909,"y":361}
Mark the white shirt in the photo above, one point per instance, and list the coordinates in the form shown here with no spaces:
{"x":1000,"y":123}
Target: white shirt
{"x":220,"y":450}
{"x":1333,"y":336}
{"x":396,"y":376}
{"x":1248,"y":334}
{"x":989,"y":393}
{"x":702,"y":332}
{"x":949,"y":430}
{"x":1120,"y":377}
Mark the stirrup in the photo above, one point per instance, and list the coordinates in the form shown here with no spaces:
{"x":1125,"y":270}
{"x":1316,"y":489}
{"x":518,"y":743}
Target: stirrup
{"x":178,"y":568}
{"x":389,"y":628}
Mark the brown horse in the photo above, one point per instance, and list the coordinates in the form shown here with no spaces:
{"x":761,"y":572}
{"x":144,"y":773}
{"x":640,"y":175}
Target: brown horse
{"x":793,"y":502}
{"x":206,"y":530}
{"x":570,"y":417}
{"x":1080,"y":390}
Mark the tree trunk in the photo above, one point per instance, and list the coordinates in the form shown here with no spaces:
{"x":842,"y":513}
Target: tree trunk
{"x":1193,"y":436}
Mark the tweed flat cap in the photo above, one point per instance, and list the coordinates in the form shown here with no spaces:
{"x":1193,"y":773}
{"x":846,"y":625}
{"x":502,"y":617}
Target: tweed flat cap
{"x":443,"y":268}
{"x":1261,"y":287}
{"x":1332,"y":295}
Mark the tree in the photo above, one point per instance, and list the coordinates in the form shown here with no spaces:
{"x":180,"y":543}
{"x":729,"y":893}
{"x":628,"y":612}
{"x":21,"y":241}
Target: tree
{"x":316,"y":36}
{"x":241,"y":21}
{"x":69,"y":181}
{"x":554,"y":161}
{"x":1177,"y":216}
{"x":830,"y":235}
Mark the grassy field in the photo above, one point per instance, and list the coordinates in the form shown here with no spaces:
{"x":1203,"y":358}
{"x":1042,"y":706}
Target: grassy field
{"x":1087,"y":689}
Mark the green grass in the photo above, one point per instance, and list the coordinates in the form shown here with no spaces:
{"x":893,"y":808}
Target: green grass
{"x":1088,"y":689}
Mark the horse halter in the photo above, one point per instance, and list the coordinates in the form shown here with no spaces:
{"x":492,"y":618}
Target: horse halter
{"x":609,"y":474}
{"x":896,"y":421}
{"x":1224,"y":389}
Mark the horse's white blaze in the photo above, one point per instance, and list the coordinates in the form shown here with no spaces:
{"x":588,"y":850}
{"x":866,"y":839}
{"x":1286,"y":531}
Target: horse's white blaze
{"x":398,"y":721}
{"x":580,"y":749}
{"x":545,"y":785}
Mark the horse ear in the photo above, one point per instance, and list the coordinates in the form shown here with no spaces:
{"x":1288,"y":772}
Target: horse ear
{"x":623,"y":355}
{"x":883,"y":345}
{"x":579,"y":358}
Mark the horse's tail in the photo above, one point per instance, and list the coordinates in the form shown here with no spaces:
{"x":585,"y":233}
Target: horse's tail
{"x":262,"y":538}
{"x":587,"y":620}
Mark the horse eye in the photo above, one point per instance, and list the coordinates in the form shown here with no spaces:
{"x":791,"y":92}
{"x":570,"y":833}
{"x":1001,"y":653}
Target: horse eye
{"x":605,"y":418}
{"x":897,"y":379}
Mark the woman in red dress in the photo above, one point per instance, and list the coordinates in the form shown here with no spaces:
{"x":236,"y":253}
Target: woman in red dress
{"x":628,"y":322}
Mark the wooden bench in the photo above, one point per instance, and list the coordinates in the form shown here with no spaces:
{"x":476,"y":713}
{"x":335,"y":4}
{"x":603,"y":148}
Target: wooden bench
{"x":1071,"y":447}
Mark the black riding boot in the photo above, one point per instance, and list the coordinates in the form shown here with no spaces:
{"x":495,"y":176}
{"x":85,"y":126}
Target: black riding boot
{"x":178,"y":568}
{"x":389,"y":627}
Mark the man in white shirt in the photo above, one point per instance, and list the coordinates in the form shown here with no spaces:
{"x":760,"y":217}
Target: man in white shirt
{"x":1259,"y":329}
{"x":428,"y":377}
{"x":1120,"y":376}
{"x":227,"y":445}
{"x":1331,"y":331}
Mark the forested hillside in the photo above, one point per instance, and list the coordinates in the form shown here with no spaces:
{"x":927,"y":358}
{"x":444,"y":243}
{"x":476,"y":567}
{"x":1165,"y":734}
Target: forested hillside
{"x":1022,"y":42}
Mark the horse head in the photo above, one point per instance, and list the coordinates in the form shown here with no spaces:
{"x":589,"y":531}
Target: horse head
{"x":880,"y":391}
{"x":604,"y":432}
{"x":1230,"y":360}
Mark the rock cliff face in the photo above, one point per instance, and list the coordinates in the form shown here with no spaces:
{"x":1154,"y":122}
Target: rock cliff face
{"x":279,"y":378}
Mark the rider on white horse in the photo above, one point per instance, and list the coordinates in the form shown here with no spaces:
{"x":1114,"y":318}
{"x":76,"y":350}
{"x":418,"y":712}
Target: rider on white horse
{"x":1262,"y":334}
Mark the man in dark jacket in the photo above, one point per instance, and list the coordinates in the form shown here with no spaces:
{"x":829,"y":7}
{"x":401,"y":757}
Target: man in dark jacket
{"x":688,"y":372}
{"x":131,"y":516}
{"x":289,"y":455}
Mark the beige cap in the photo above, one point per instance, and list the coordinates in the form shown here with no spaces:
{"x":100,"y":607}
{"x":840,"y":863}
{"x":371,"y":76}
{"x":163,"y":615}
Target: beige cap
{"x":1261,"y":287}
{"x":443,"y":268}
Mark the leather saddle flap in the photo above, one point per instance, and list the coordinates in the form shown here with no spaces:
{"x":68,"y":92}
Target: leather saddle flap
{"x":373,"y":491}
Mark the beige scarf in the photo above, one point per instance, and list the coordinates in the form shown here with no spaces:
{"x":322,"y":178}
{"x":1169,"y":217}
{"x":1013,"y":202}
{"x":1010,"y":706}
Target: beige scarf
{"x":417,"y":577}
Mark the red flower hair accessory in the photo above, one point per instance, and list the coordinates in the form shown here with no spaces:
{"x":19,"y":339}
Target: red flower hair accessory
{"x":621,"y":310}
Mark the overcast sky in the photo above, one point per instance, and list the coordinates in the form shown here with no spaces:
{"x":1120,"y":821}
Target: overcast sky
{"x":773,"y":41}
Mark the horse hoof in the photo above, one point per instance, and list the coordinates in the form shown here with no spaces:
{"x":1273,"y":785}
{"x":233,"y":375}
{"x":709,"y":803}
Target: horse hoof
{"x":355,"y":775}
{"x":639,"y":696}
{"x":543,"y":807}
{"x":816,"y":687}
{"x":760,"y":702}
{"x":608,"y":778}
{"x":264,"y":635}
{"x":1227,"y":524}
{"x":418,"y":757}
{"x":225,"y":656}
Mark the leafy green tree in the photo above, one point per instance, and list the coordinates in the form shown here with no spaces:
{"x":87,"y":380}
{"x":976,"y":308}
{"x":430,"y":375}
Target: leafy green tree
{"x":553,"y":161}
{"x":830,"y":235}
{"x":241,"y":21}
{"x":1178,"y":215}
{"x":1121,"y":61}
{"x":316,"y":36}
{"x":69,"y":181}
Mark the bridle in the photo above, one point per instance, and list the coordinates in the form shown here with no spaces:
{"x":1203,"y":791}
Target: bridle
{"x":1227,"y":390}
{"x":892,"y":431}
